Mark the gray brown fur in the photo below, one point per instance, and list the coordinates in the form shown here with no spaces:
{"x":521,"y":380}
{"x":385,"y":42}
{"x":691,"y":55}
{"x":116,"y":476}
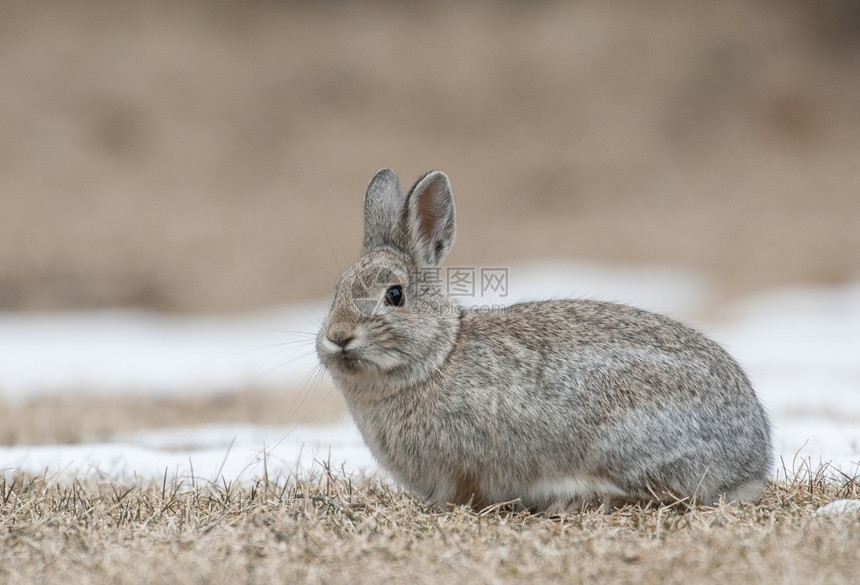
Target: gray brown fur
{"x":556,"y":403}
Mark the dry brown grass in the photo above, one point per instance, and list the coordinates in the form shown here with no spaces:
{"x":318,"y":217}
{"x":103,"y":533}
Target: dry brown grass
{"x":80,"y":418}
{"x":329,"y":529}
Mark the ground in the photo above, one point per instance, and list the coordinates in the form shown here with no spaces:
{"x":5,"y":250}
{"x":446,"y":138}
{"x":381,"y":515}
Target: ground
{"x":330,"y":529}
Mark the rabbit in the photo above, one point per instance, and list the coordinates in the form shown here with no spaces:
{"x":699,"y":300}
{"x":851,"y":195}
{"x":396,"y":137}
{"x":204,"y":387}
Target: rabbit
{"x":554,"y":404}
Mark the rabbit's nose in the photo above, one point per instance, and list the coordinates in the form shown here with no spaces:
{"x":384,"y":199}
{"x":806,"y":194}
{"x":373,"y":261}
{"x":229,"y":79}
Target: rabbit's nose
{"x":341,"y":334}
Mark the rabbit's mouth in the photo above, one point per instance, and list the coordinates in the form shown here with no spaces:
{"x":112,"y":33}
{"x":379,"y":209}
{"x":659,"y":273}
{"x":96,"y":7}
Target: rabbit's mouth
{"x":338,"y":357}
{"x":348,"y":362}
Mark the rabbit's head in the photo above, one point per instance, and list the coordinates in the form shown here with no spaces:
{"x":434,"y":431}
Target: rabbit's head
{"x":391,"y":324}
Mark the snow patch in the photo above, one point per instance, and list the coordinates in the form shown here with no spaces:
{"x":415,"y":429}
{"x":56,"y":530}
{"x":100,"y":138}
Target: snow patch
{"x":839,"y":508}
{"x":800,"y":346}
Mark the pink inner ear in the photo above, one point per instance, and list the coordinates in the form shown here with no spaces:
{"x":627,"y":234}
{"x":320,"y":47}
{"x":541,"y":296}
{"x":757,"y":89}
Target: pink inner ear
{"x":430,"y":212}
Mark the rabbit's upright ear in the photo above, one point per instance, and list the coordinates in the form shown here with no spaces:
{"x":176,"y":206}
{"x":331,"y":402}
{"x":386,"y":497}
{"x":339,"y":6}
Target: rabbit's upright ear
{"x":430,"y":218}
{"x":383,"y":208}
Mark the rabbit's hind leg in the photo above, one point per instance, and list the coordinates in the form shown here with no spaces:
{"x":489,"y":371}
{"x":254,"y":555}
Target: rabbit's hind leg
{"x":569,"y":494}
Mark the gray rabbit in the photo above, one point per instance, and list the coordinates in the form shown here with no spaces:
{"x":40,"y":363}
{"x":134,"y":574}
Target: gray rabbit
{"x":558,"y":404}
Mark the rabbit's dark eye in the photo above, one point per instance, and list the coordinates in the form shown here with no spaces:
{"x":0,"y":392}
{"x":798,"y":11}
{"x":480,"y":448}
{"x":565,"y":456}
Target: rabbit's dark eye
{"x":394,"y":295}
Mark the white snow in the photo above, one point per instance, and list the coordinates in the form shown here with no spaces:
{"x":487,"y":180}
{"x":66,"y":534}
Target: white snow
{"x":839,"y":508}
{"x":801,"y":347}
{"x":137,"y":351}
{"x":210,"y":453}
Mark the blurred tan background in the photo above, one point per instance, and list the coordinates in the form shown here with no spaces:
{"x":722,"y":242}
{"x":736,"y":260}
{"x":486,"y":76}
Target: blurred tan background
{"x":207,"y":156}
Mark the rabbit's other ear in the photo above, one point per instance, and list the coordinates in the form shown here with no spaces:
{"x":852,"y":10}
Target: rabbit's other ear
{"x":383,"y":207}
{"x":430,"y":218}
